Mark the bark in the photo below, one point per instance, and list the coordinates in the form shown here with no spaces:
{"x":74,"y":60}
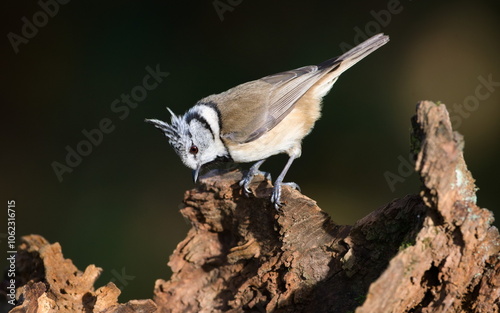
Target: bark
{"x":432,"y":252}
{"x":50,"y":283}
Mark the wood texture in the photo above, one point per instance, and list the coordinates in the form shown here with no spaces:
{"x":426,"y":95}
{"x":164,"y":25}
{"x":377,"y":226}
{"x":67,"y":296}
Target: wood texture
{"x":50,"y":283}
{"x":435,"y":251}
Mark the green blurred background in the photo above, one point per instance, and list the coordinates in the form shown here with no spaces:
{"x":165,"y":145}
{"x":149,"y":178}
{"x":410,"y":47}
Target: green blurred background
{"x":119,"y":208}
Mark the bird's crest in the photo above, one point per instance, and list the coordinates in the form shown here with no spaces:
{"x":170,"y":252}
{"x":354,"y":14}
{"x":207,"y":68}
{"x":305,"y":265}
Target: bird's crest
{"x":177,"y":131}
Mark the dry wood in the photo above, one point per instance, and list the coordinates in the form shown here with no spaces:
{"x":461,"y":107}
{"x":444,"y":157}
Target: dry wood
{"x":50,"y":283}
{"x":432,"y":252}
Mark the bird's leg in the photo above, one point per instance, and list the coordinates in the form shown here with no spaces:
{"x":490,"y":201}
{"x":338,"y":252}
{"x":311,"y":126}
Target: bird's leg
{"x":247,"y":179}
{"x":276,"y":196}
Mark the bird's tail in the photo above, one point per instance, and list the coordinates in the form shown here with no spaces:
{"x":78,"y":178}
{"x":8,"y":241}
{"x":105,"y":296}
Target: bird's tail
{"x":342,"y":63}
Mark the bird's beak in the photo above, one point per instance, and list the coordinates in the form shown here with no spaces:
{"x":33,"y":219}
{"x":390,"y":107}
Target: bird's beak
{"x":195,"y":174}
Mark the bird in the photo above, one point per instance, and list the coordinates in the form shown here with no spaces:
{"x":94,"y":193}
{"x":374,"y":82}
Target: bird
{"x":258,"y":119}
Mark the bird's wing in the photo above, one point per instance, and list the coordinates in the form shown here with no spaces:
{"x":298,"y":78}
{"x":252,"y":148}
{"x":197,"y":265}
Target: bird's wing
{"x":287,"y":88}
{"x":269,"y":100}
{"x":252,"y":109}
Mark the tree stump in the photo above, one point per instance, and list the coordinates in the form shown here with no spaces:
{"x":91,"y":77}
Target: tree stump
{"x":432,"y":252}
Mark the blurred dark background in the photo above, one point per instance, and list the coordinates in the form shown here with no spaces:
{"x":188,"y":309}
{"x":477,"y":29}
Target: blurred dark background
{"x":118,"y":208}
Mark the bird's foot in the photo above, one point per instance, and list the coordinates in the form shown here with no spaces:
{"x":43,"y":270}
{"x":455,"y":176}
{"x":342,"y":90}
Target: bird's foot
{"x":276,"y":195}
{"x":247,"y":180}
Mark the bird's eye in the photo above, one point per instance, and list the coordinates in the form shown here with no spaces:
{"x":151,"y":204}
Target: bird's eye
{"x":193,"y":149}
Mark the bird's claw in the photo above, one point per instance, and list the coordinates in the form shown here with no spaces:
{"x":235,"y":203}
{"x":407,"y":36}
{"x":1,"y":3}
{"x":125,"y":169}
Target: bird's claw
{"x":276,"y":195}
{"x":293,"y":185}
{"x":245,"y":184}
{"x":247,"y":180}
{"x":266,"y":175}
